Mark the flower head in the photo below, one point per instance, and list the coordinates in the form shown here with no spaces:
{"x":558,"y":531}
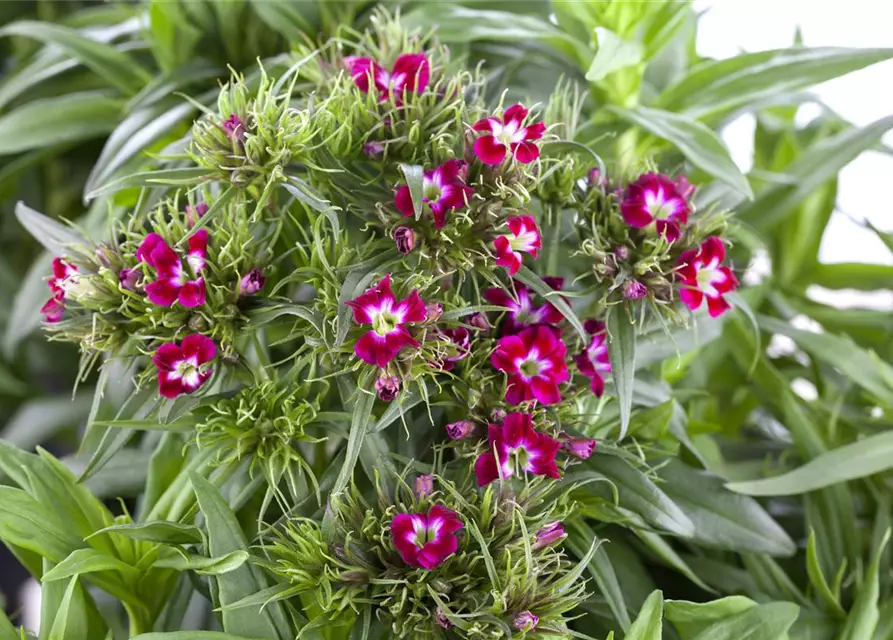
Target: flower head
{"x":387,"y":387}
{"x":181,"y":368}
{"x":443,"y":189}
{"x":426,"y":539}
{"x":508,"y":132}
{"x":378,"y":307}
{"x":523,"y":237}
{"x":173,"y":283}
{"x":513,"y":445}
{"x":64,"y":276}
{"x":549,"y":535}
{"x":411,"y":74}
{"x":594,"y":362}
{"x":251,"y":283}
{"x":653,"y":198}
{"x":521,"y":311}
{"x":534,"y":362}
{"x":703,"y":276}
{"x":525,"y":621}
{"x":580,"y":448}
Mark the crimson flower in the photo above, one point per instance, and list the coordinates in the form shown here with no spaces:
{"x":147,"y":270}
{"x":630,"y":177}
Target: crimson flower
{"x":523,"y":237}
{"x":181,"y":368}
{"x":654,"y":198}
{"x":443,"y":189}
{"x":64,"y":274}
{"x":703,"y":276}
{"x":173,"y":283}
{"x":502,"y":134}
{"x":426,"y":539}
{"x":410,"y":73}
{"x":521,"y":311}
{"x":534,"y":362}
{"x":594,"y":362}
{"x":388,"y":318}
{"x":516,"y":443}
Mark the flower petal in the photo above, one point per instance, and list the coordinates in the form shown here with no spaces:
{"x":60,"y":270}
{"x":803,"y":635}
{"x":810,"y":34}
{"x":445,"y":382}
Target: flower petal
{"x":525,"y":152}
{"x":202,"y":347}
{"x":192,"y":294}
{"x":489,"y":150}
{"x":403,"y":201}
{"x":486,"y":469}
{"x":162,"y":292}
{"x":413,"y":71}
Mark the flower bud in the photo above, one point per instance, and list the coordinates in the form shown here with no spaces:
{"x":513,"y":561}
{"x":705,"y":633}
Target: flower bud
{"x":621,"y":252}
{"x":461,"y":430}
{"x":234,"y":128}
{"x":525,"y":621}
{"x":194,"y":214}
{"x":498,"y":415}
{"x":549,"y":535}
{"x":387,"y":387}
{"x":405,"y":239}
{"x":579,"y":447}
{"x":479,"y":321}
{"x":442,"y":621}
{"x":684,"y":188}
{"x":373,"y":149}
{"x":197,"y":323}
{"x":597,"y":179}
{"x":129,"y":278}
{"x":103,"y":255}
{"x":251,"y":283}
{"x":433,"y":311}
{"x":424,"y":485}
{"x":633,"y":290}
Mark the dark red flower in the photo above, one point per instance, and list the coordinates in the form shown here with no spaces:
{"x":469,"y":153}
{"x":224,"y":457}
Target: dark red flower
{"x":181,"y":368}
{"x":508,"y":132}
{"x":516,"y":445}
{"x":426,"y":539}
{"x":703,"y":276}
{"x":534,"y":362}
{"x":173,"y":283}
{"x":521,"y":311}
{"x":443,"y":189}
{"x":653,"y":199}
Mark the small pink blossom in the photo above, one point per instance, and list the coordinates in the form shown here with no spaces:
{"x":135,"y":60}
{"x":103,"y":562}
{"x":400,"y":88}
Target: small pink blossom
{"x":525,"y":621}
{"x":703,"y":276}
{"x":461,"y":430}
{"x":508,"y":132}
{"x":389,"y":318}
{"x":523,"y":237}
{"x":534,"y":362}
{"x":549,"y":535}
{"x":516,"y":444}
{"x":424,"y":485}
{"x":64,"y":276}
{"x":181,"y":368}
{"x":522,"y":313}
{"x":411,"y":74}
{"x":251,"y":283}
{"x":443,"y":190}
{"x":581,"y":448}
{"x":594,"y":362}
{"x":426,"y":539}
{"x":387,"y":388}
{"x":653,"y":199}
{"x":634,"y":290}
{"x":173,"y":283}
{"x":405,"y":239}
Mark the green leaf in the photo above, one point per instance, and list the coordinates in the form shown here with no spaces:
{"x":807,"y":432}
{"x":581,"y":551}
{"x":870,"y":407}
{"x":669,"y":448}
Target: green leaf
{"x":622,"y":353}
{"x":864,"y":615}
{"x":701,"y":146}
{"x":205,"y":566}
{"x":83,"y":561}
{"x":158,"y":531}
{"x":53,"y":122}
{"x":601,"y":569}
{"x":860,"y":459}
{"x":7,"y":631}
{"x":614,"y":53}
{"x":763,"y":622}
{"x":192,"y":635}
{"x":817,"y":577}
{"x":852,"y":275}
{"x":156,"y":178}
{"x":118,"y":68}
{"x":286,"y":18}
{"x":648,"y":625}
{"x":71,"y":620}
{"x":718,"y":87}
{"x":362,"y":414}
{"x":37,"y":420}
{"x":414,"y":176}
{"x":55,"y":236}
{"x":31,"y":525}
{"x":528,"y":277}
{"x":691,"y":618}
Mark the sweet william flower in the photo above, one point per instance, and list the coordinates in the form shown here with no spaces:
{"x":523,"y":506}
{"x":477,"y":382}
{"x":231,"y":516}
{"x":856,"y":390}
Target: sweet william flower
{"x":654,"y":199}
{"x":523,"y":237}
{"x":172,"y":284}
{"x":183,"y":368}
{"x":443,"y":189}
{"x":534,"y":362}
{"x":426,"y":539}
{"x":378,"y":307}
{"x":525,"y":621}
{"x":517,"y":444}
{"x":522,"y":313}
{"x":594,"y":362}
{"x":411,"y":73}
{"x":64,"y":276}
{"x":703,"y":276}
{"x":508,"y":133}
{"x":549,"y":535}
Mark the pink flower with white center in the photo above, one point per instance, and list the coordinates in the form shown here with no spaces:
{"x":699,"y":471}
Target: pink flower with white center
{"x":411,"y":73}
{"x":654,"y":199}
{"x":173,"y":282}
{"x":534,"y":362}
{"x":443,"y":190}
{"x":388,"y":317}
{"x":426,"y":539}
{"x":182,"y":368}
{"x":508,"y":132}
{"x":703,"y":276}
{"x":516,"y":445}
{"x":524,"y":237}
{"x":64,"y":276}
{"x":594,"y":362}
{"x":522,"y":313}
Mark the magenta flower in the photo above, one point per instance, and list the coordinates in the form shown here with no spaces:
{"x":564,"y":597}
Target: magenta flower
{"x":525,"y":621}
{"x":634,"y":290}
{"x":173,"y":283}
{"x":251,"y":283}
{"x":426,"y":540}
{"x":461,"y":430}
{"x":524,"y":237}
{"x":443,"y":189}
{"x":549,"y":535}
{"x":508,"y":132}
{"x":64,"y":275}
{"x":410,"y":73}
{"x":234,"y":127}
{"x":580,"y":448}
{"x":654,"y":199}
{"x":459,"y":344}
{"x":516,"y":443}
{"x":594,"y":362}
{"x":521,"y":312}
{"x":534,"y":362}
{"x":181,"y":368}
{"x":703,"y":276}
{"x":388,"y":318}
{"x":387,"y":388}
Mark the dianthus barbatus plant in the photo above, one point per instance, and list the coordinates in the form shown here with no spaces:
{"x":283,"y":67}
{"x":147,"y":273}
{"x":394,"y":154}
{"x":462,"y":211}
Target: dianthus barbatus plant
{"x":380,"y":323}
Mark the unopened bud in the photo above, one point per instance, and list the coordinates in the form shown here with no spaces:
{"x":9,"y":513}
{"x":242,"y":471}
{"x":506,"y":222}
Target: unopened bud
{"x":387,"y":388}
{"x":234,"y":127}
{"x":684,"y":188}
{"x":433,"y":311}
{"x":424,"y":485}
{"x":549,"y":535}
{"x":251,"y":283}
{"x":442,"y":621}
{"x":580,"y":447}
{"x":129,"y":278}
{"x":525,"y":621}
{"x":460,"y":430}
{"x":373,"y":149}
{"x":621,"y":252}
{"x":405,"y":239}
{"x":479,"y":321}
{"x":633,"y":290}
{"x":103,"y":256}
{"x":498,"y":415}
